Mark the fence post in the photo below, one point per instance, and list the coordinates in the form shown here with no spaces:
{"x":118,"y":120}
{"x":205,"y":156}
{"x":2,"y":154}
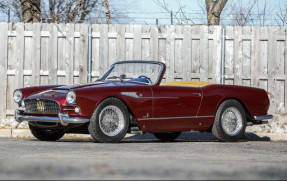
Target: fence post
{"x":223,"y":56}
{"x":90,"y":54}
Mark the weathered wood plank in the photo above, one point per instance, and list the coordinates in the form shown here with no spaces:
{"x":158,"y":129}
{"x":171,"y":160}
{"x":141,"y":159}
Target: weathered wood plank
{"x":170,"y":39}
{"x":203,"y":53}
{"x":271,"y":68}
{"x":83,"y":63}
{"x":137,"y":42}
{"x":195,"y":54}
{"x":255,"y":57}
{"x":186,"y":52}
{"x":154,"y":43}
{"x":246,"y":62}
{"x":146,"y":43}
{"x":229,"y":52}
{"x":113,"y":49}
{"x":96,"y":51}
{"x":3,"y":68}
{"x":217,"y":42}
{"x":44,"y":55}
{"x":36,"y":59}
{"x":61,"y":74}
{"x":19,"y":67}
{"x":121,"y":43}
{"x":129,"y":45}
{"x":28,"y":55}
{"x":178,"y":52}
{"x":53,"y":54}
{"x":238,"y":55}
{"x":162,"y":45}
{"x":104,"y":49}
{"x":69,"y":53}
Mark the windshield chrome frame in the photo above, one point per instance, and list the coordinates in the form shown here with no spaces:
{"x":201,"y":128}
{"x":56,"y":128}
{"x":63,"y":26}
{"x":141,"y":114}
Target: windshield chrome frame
{"x":147,"y":62}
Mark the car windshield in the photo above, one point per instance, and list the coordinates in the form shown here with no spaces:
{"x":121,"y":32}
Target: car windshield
{"x":148,"y":72}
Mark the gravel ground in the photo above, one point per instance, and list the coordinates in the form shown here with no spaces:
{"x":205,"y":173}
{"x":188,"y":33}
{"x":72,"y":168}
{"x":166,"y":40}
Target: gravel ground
{"x":142,"y":157}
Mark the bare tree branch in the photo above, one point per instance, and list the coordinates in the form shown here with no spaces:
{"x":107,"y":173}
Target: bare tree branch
{"x":281,"y":16}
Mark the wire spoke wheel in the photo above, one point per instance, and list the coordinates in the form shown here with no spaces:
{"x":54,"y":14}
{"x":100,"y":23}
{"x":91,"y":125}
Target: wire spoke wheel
{"x":231,"y":121}
{"x":111,"y":120}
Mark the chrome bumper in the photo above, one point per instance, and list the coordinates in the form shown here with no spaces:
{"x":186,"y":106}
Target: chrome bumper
{"x":64,"y":119}
{"x":263,"y":117}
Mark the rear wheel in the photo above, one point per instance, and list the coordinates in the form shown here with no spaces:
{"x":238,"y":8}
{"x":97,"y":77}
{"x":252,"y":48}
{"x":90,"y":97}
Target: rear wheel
{"x":230,"y":121}
{"x":46,"y":135}
{"x":168,"y":136}
{"x":109,"y":122}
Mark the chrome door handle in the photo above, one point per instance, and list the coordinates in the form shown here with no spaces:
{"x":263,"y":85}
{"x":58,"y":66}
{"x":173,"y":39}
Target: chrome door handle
{"x":196,"y":94}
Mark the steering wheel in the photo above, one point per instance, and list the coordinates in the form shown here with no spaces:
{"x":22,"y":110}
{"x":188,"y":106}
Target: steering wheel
{"x":145,"y":77}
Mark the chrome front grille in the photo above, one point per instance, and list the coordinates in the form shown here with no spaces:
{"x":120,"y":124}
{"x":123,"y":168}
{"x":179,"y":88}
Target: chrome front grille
{"x":44,"y":106}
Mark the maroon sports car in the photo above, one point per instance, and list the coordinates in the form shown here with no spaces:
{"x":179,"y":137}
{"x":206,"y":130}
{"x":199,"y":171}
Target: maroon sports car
{"x":130,"y":97}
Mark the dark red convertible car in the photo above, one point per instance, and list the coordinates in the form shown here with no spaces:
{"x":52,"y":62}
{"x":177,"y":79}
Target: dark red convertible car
{"x":130,"y":97}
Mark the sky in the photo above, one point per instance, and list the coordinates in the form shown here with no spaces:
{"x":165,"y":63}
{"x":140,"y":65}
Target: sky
{"x":147,"y":11}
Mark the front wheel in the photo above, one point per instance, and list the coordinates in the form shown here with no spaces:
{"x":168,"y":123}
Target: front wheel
{"x":168,"y":136}
{"x":46,"y":135}
{"x":230,"y":121}
{"x":109,"y":122}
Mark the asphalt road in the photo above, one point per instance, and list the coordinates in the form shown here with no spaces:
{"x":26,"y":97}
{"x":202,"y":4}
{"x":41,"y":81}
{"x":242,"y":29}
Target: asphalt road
{"x":142,"y":157}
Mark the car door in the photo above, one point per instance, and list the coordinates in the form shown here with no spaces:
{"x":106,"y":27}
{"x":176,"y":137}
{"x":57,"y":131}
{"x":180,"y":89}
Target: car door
{"x":175,"y":107}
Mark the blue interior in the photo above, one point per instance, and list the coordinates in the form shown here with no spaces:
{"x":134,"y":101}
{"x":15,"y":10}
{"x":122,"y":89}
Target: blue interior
{"x":140,"y":80}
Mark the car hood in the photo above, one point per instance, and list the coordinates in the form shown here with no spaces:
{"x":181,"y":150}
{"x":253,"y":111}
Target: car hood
{"x":98,"y":84}
{"x":59,"y":93}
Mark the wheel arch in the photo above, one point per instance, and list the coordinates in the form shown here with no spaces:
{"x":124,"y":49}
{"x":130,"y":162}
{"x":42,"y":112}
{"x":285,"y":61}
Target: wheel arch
{"x":248,"y":115}
{"x":124,"y":102}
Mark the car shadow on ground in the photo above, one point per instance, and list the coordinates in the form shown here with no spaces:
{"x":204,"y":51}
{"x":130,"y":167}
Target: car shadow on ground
{"x":191,"y":137}
{"x":187,"y":136}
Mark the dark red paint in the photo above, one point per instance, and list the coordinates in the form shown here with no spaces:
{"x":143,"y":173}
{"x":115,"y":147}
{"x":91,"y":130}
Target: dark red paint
{"x":155,"y":101}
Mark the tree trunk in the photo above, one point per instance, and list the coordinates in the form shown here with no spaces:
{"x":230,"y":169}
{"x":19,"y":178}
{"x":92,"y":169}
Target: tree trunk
{"x":214,"y":9}
{"x":107,"y":12}
{"x":31,"y":11}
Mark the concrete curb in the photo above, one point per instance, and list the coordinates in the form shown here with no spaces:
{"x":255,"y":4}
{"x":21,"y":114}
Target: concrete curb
{"x":25,"y":133}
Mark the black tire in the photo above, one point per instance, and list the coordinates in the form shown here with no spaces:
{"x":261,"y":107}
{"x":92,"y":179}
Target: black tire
{"x":167,"y":136}
{"x":95,"y":129}
{"x":219,"y":131}
{"x":46,"y":135}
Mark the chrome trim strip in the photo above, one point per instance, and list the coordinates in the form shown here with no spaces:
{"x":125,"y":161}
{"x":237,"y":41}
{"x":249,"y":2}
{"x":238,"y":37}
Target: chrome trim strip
{"x":186,"y":117}
{"x":64,"y":119}
{"x":134,"y":95}
{"x":263,"y":117}
{"x":68,"y":109}
{"x":130,"y":94}
{"x":164,"y":97}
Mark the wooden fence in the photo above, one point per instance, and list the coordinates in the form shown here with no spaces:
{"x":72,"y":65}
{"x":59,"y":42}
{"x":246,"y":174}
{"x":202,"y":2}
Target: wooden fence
{"x":41,"y":54}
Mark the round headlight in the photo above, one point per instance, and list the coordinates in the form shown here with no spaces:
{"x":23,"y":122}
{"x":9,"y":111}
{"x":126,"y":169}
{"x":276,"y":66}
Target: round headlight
{"x":71,"y":97}
{"x":17,"y":96}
